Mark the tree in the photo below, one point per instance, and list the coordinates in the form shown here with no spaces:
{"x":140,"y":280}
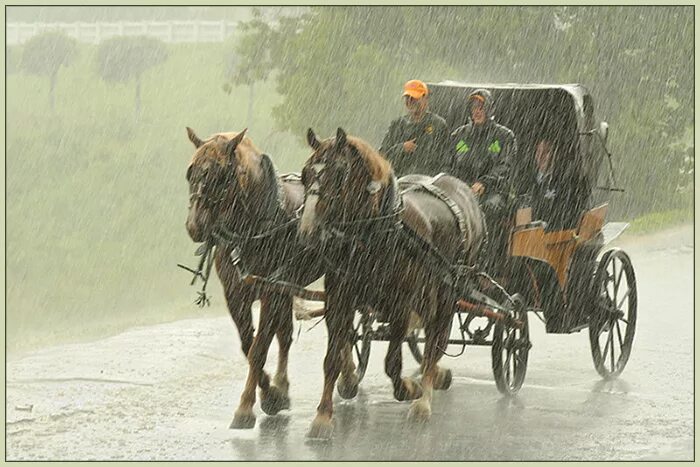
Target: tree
{"x":339,"y":66}
{"x":252,"y":54}
{"x":45,"y":54}
{"x":122,"y":59}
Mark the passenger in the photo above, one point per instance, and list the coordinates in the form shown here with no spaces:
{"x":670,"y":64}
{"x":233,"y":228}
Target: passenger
{"x":559,"y":193}
{"x":482,"y":153}
{"x":417,"y":142}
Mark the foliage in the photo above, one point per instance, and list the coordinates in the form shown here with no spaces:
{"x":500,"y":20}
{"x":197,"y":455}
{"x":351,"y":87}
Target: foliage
{"x":123,"y":58}
{"x":345,"y":65}
{"x":44,"y":54}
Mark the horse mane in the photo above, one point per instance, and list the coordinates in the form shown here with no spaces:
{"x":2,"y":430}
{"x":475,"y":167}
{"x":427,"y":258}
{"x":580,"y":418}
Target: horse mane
{"x":247,"y":154}
{"x":378,"y":167}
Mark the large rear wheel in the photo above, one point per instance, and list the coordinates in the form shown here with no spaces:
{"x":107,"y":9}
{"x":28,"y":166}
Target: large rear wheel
{"x":612,"y":322}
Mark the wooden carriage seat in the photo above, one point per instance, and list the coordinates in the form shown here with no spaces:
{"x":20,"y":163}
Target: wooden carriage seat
{"x":555,"y":248}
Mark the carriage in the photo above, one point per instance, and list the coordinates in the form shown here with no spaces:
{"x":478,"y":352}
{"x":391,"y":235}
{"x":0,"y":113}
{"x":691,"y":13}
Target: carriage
{"x":559,"y":275}
{"x":554,"y":272}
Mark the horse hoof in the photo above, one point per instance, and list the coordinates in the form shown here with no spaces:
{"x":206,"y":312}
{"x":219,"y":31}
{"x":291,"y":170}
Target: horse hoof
{"x":274,"y":401}
{"x":348,"y":389}
{"x":420,"y":411}
{"x":409,"y":390}
{"x":243,"y":421}
{"x":444,"y":379}
{"x":320,"y":430}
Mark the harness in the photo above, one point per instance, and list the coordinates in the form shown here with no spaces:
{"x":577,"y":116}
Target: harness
{"x":222,"y":235}
{"x":389,"y":224}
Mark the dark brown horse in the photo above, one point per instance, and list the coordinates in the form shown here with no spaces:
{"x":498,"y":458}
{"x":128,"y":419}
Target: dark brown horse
{"x":234,"y":191}
{"x":353,"y":201}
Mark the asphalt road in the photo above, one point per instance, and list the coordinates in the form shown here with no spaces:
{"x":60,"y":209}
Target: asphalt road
{"x":168,"y":392}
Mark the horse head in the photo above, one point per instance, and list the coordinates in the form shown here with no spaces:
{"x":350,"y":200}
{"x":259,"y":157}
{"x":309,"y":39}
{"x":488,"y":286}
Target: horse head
{"x":344,"y":179}
{"x":225,"y":171}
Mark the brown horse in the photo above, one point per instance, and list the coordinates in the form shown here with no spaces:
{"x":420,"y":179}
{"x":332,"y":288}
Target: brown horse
{"x":353,"y":200}
{"x":234,"y":189}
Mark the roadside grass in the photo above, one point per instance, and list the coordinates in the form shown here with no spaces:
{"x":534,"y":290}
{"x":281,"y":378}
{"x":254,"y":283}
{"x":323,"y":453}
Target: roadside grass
{"x":656,"y":221}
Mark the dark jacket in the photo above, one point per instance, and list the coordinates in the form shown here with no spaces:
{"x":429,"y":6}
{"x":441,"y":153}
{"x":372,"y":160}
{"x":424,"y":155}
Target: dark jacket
{"x":559,"y":199}
{"x":431,"y":135}
{"x":484,"y":153}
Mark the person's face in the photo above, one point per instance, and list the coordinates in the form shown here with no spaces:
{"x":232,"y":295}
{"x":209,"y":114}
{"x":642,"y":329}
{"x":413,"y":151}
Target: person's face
{"x":415,"y":106}
{"x":477,"y":111}
{"x":543,"y":155}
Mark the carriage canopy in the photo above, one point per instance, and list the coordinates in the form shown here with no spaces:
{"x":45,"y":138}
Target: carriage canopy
{"x":563,"y":114}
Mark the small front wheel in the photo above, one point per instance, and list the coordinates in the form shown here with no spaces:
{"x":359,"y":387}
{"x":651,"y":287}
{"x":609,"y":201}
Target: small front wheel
{"x":510,"y":349}
{"x":416,"y":341}
{"x":362,"y":341}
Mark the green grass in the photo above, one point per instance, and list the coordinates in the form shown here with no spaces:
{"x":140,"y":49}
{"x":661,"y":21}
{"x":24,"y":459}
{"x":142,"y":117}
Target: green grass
{"x":96,"y":202}
{"x":656,"y":221}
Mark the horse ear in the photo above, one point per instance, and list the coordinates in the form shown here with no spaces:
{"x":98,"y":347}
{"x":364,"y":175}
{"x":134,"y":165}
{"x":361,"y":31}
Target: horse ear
{"x":312,"y":139}
{"x":235,"y":141}
{"x":341,"y":138}
{"x":194,"y":138}
{"x":268,"y":167}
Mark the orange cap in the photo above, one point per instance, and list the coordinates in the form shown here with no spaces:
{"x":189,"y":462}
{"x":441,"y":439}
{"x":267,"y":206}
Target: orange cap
{"x":415,"y":88}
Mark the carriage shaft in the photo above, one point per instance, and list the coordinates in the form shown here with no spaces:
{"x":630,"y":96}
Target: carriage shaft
{"x":486,"y":312}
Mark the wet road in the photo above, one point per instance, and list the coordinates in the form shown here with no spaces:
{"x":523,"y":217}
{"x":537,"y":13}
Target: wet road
{"x":168,"y":392}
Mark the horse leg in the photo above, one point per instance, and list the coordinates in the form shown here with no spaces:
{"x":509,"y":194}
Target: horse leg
{"x":240,"y":302}
{"x":244,"y":416}
{"x":239,"y":299}
{"x":436,"y":337}
{"x":348,"y":383}
{"x":444,"y":316}
{"x":276,"y":397}
{"x":338,"y":324}
{"x":404,"y":388}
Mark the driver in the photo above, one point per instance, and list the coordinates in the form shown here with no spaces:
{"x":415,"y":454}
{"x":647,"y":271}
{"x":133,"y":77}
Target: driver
{"x":415,"y":143}
{"x":482,"y":153}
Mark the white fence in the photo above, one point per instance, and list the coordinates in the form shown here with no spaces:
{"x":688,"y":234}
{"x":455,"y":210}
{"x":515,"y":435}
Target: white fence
{"x":167,"y":31}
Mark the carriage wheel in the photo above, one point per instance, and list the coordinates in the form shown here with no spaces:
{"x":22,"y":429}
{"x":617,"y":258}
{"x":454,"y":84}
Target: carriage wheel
{"x":362,"y":341}
{"x":416,"y":347}
{"x":510,"y":349}
{"x":613,"y":321}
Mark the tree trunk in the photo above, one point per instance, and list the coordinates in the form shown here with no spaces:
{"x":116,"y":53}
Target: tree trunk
{"x":52,"y":89}
{"x":250,"y":105}
{"x":137,"y":104}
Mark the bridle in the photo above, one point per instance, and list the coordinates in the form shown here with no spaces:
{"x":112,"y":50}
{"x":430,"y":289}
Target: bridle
{"x":390,"y":208}
{"x":220,"y":234}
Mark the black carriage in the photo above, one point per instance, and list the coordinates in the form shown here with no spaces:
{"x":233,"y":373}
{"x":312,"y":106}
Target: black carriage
{"x":559,"y":275}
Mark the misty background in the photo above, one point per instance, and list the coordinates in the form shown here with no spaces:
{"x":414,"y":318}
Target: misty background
{"x":96,"y":149}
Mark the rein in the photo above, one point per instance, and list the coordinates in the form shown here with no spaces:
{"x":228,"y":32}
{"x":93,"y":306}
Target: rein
{"x":206,"y":251}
